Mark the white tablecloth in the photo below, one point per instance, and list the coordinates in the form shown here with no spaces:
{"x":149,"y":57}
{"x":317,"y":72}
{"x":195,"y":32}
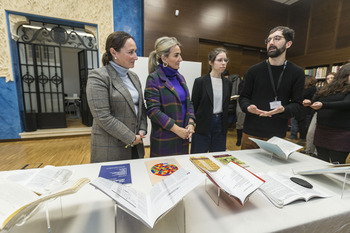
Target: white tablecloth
{"x":91,"y":211}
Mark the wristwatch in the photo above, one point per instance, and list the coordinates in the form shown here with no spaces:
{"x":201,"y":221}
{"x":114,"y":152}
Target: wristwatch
{"x":192,"y":123}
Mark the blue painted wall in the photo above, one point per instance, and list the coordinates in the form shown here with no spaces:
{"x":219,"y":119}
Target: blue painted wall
{"x":10,"y":123}
{"x":128,"y":17}
{"x":10,"y":106}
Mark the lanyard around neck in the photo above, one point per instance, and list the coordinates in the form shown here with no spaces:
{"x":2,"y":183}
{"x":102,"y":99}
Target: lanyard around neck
{"x":279,"y":79}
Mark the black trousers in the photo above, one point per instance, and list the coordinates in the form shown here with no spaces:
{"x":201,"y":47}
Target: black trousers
{"x":331,"y":155}
{"x":134,"y":153}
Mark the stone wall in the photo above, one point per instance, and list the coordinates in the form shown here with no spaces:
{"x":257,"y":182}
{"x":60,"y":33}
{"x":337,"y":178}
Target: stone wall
{"x":12,"y":14}
{"x":87,"y":11}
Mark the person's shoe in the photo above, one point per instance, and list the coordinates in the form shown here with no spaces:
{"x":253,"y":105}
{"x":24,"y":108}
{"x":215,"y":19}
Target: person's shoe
{"x":301,"y":142}
{"x":290,"y":138}
{"x":303,"y":152}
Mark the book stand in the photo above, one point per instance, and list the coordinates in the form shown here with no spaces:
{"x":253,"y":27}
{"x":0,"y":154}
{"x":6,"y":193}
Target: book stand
{"x":215,"y":193}
{"x":342,"y":190}
{"x":159,"y":226}
{"x":21,"y":220}
{"x":273,"y":155}
{"x":344,"y":181}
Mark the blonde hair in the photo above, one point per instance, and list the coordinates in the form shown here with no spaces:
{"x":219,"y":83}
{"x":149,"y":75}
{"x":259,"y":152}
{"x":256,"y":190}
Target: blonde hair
{"x":162,"y":47}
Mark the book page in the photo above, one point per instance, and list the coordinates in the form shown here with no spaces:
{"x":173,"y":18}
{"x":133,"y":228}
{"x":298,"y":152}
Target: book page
{"x":270,"y":148}
{"x":49,"y":179}
{"x":21,"y":177}
{"x":43,"y":180}
{"x":281,"y":194}
{"x":131,"y":200}
{"x":163,"y":196}
{"x":70,"y":187}
{"x":286,"y":146}
{"x":13,"y":197}
{"x":28,"y":207}
{"x":237,"y":181}
{"x":281,"y":188}
{"x":167,"y":193}
{"x":159,"y":169}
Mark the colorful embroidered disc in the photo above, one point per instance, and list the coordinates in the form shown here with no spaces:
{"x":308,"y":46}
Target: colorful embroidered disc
{"x":164,"y":169}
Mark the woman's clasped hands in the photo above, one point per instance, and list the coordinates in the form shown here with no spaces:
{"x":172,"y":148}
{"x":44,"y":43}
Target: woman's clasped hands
{"x":184,"y":133}
{"x":138,"y":138}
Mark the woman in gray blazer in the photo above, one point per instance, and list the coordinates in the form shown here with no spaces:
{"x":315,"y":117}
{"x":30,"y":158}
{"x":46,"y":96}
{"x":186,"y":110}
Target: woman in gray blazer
{"x":116,"y":103}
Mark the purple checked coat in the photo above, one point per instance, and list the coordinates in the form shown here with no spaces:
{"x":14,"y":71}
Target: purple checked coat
{"x":164,"y":108}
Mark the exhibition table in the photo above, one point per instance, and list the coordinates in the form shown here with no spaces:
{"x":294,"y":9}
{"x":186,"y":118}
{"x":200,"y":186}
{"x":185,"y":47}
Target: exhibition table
{"x":91,"y":211}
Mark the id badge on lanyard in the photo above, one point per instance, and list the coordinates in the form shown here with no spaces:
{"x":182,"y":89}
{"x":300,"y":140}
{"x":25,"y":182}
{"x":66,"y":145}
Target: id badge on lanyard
{"x":275,"y":104}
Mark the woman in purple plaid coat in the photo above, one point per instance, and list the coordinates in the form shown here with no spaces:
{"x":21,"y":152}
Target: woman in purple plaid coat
{"x":168,"y":100}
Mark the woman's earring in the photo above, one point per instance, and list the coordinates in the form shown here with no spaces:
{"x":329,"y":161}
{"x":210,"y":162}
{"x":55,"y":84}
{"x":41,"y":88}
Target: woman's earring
{"x":165,"y":64}
{"x":115,"y":58}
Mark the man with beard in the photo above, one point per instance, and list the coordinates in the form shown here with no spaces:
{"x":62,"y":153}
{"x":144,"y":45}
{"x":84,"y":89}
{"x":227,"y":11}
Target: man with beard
{"x":272,"y":91}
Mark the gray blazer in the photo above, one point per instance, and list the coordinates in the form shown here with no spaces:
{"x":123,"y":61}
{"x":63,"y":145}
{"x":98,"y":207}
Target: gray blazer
{"x":115,"y":120}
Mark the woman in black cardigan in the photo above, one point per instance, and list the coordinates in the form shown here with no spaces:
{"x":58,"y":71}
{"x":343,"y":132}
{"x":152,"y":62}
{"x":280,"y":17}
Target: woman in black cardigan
{"x":332,"y":135}
{"x":211,"y":98}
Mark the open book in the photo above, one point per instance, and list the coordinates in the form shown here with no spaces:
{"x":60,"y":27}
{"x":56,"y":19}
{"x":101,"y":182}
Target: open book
{"x":277,"y":146}
{"x":325,"y":170}
{"x":42,"y":180}
{"x":281,"y":191}
{"x":164,"y":195}
{"x":17,"y":202}
{"x":235,"y":180}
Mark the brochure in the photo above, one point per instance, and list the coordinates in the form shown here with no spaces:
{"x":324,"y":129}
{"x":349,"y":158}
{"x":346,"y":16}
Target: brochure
{"x":119,"y":173}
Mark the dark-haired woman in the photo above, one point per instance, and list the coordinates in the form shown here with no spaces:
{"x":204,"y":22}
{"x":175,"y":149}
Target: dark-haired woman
{"x":116,"y":103}
{"x":304,"y":117}
{"x":211,"y":99}
{"x":332,"y":135}
{"x":310,"y":147}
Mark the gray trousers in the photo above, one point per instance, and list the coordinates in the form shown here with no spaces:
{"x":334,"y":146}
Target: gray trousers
{"x":310,"y":147}
{"x":240,"y":117}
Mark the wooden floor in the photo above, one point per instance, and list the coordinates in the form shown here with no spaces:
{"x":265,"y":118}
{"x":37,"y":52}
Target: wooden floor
{"x":31,"y":153}
{"x":60,"y":151}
